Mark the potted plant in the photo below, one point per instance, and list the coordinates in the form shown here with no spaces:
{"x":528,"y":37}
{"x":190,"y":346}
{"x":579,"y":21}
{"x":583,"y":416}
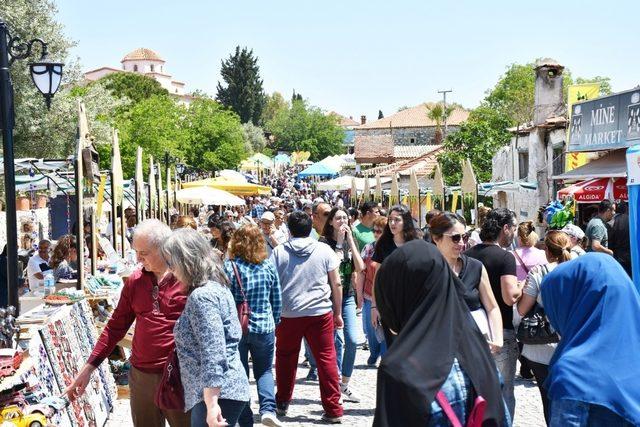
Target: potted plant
{"x":41,"y":199}
{"x":22,"y":201}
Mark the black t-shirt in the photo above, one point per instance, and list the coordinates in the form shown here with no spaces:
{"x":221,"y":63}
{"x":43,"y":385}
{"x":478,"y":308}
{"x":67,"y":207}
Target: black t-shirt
{"x":498,"y":263}
{"x":470,"y":275}
{"x":381,"y":252}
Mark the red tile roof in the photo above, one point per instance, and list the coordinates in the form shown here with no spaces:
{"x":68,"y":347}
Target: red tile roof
{"x":414,"y":117}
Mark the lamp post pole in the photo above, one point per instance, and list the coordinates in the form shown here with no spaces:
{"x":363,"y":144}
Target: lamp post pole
{"x":7,"y":123}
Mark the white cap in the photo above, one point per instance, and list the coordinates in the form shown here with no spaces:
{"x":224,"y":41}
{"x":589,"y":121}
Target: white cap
{"x":573,"y":231}
{"x":268,"y":216}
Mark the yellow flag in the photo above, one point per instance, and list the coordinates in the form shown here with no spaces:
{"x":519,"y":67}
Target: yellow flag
{"x":454,"y":203}
{"x":428,"y":204}
{"x":579,"y":93}
{"x":103,"y":181}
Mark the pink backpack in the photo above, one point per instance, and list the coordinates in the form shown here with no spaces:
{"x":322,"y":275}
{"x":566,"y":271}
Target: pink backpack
{"x":475,"y":417}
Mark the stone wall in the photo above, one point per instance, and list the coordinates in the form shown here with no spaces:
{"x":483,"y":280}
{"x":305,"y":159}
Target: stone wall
{"x":403,"y":136}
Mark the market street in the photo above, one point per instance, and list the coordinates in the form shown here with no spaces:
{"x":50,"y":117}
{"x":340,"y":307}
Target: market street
{"x":306,"y":410}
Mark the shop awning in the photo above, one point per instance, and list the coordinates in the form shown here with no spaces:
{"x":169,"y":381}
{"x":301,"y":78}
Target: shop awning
{"x":613,"y":165}
{"x":596,"y":190}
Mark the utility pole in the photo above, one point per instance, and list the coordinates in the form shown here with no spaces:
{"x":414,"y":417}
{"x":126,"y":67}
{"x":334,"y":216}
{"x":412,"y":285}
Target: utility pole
{"x":444,"y":108}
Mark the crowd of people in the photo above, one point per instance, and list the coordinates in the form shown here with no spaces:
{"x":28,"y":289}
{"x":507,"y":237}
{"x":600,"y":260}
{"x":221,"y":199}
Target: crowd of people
{"x":444,"y":312}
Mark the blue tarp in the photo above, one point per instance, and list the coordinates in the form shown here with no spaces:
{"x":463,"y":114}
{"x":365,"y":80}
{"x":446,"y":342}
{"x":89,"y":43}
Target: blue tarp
{"x":317,"y":169}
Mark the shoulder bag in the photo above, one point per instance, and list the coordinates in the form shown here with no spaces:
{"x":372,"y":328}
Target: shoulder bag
{"x":244,"y":311}
{"x":475,"y":416}
{"x":170,"y":393}
{"x":535,"y":327}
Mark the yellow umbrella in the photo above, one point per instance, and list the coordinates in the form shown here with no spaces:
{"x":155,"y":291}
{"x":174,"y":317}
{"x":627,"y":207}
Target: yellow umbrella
{"x":367,"y":190}
{"x":233,"y":187}
{"x":378,"y":193}
{"x":395,"y":192}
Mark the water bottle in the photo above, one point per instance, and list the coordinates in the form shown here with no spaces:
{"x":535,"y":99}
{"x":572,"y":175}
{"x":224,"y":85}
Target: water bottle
{"x":49,"y":284}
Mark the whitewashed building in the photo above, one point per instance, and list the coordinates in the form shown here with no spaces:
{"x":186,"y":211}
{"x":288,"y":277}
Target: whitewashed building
{"x":145,"y":61}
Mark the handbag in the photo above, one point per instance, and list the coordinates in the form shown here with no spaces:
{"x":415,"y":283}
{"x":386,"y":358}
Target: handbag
{"x":535,"y":327}
{"x":170,"y":393}
{"x":475,"y":416}
{"x":244,"y":311}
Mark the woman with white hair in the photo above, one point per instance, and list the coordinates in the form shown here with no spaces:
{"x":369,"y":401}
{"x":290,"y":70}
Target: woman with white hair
{"x":576,"y":235}
{"x":216,"y":389}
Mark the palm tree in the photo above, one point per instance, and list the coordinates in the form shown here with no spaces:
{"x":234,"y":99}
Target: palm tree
{"x":439,"y":114}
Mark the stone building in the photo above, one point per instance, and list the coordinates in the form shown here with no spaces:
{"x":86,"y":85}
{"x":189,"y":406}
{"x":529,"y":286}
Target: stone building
{"x":536,"y":151}
{"x":379,"y":141}
{"x":147,"y":62}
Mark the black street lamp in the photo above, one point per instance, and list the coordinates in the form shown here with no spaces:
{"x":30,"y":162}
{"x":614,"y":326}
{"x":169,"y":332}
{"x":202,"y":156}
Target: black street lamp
{"x":46,"y":75}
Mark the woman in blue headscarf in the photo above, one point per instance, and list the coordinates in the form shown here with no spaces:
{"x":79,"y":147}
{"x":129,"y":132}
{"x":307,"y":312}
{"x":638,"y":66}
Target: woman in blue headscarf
{"x":593,"y":378}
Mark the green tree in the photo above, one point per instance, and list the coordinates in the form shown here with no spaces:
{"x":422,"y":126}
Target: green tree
{"x":605,"y":83}
{"x":274,"y":103}
{"x":215,"y":136}
{"x":39,"y":132}
{"x":439,"y":113}
{"x":479,"y":138}
{"x":254,"y":140}
{"x":157,"y":125}
{"x":133,"y":86}
{"x":306,"y":128}
{"x":243,"y":91}
{"x":513,"y":95}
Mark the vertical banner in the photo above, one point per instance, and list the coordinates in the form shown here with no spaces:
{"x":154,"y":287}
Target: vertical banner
{"x":454,"y":201}
{"x":103,"y":182}
{"x":578,"y":93}
{"x":161,"y":215}
{"x":141,"y":196}
{"x":378,"y":192}
{"x":117,"y":198}
{"x":152,"y":189}
{"x":414,"y":196}
{"x":394,"y":195}
{"x":353,"y":196}
{"x":633,"y":184}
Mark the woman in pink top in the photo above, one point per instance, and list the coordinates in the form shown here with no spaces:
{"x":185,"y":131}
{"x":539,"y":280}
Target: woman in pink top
{"x":527,"y":255}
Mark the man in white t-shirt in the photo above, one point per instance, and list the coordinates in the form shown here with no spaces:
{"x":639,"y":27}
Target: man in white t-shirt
{"x":38,"y":265}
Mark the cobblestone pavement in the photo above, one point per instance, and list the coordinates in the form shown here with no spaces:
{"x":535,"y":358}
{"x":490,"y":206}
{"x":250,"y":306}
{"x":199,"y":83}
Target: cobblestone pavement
{"x":305,"y":409}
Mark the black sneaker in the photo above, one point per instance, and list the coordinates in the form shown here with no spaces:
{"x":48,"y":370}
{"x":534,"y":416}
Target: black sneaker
{"x":331,"y":420}
{"x":282,"y":408}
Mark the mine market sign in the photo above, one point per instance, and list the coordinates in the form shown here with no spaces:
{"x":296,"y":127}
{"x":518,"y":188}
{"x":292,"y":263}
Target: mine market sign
{"x":606,"y":123}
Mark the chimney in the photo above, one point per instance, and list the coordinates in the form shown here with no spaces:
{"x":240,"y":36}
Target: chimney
{"x":548,"y":100}
{"x":363,"y":120}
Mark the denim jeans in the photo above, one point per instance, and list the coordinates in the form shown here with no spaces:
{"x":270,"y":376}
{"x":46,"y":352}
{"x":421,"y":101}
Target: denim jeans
{"x":506,"y":360}
{"x":261,"y":347}
{"x":346,"y":339}
{"x":231,"y":410}
{"x":573,"y":413}
{"x":377,"y":349}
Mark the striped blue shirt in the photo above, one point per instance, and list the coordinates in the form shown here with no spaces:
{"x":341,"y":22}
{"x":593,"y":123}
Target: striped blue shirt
{"x":261,"y":285}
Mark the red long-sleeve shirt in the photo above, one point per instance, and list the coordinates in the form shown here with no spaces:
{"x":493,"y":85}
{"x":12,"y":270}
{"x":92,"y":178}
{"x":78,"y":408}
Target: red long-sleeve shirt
{"x":153,"y":335}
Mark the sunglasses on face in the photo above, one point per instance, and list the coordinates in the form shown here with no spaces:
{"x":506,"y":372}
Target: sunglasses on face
{"x":455,"y":238}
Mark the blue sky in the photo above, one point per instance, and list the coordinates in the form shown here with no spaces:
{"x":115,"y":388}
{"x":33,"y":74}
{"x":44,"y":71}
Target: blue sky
{"x":356,"y":57}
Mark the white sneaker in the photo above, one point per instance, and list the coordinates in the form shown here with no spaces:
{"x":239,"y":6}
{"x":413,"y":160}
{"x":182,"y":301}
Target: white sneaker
{"x":348,"y":395}
{"x":269,"y":419}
